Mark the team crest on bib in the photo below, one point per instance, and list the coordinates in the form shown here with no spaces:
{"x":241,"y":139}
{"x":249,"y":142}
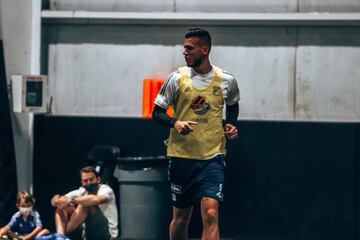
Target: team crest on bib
{"x":200,"y":106}
{"x":216,"y":91}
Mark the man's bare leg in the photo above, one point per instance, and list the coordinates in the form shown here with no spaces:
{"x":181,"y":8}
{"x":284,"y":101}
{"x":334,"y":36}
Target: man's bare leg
{"x":180,"y":222}
{"x":210,"y":218}
{"x":62,"y":217}
{"x":70,"y":218}
{"x":78,"y":217}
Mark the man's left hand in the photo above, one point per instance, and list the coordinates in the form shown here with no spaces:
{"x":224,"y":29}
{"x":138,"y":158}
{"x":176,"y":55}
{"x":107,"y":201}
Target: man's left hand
{"x":231,"y":131}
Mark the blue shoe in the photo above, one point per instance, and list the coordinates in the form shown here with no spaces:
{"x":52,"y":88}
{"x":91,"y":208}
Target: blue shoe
{"x":59,"y":236}
{"x":47,"y":237}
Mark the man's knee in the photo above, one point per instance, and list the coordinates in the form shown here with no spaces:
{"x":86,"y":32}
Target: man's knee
{"x":68,"y":211}
{"x":181,"y":220}
{"x":210,"y":216}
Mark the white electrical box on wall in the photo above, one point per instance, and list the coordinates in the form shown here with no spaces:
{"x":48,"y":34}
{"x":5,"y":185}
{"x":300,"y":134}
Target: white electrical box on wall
{"x":30,"y":93}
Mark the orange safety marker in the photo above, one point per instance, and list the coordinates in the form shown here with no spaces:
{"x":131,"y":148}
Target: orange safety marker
{"x":150,"y":91}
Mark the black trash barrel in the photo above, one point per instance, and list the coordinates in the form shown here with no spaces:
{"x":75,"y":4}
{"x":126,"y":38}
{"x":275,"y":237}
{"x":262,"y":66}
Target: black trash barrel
{"x":145,"y":207}
{"x":104,"y":159}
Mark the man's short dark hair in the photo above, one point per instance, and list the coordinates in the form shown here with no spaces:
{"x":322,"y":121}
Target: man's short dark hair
{"x":89,"y":169}
{"x":200,"y":33}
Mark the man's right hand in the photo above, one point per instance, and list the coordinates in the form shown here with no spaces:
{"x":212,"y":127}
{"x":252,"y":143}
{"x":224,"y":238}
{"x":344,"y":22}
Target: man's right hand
{"x":184,"y":127}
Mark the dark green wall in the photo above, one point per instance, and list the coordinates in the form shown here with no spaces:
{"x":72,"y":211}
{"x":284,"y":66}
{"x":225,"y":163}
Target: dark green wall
{"x":285,"y":180}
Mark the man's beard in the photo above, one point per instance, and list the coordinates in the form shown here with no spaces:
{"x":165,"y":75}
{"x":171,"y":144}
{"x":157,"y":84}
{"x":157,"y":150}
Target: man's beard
{"x":196,"y":62}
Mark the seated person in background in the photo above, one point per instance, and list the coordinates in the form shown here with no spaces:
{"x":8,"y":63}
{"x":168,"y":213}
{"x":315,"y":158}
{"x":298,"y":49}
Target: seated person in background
{"x":93,"y":204}
{"x":24,"y":224}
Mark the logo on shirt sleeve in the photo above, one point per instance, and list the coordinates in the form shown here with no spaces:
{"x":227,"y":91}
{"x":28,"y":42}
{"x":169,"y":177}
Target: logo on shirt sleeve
{"x":216,"y":91}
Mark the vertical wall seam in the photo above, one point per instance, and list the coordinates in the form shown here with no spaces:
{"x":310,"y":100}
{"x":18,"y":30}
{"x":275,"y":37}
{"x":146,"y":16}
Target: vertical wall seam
{"x":295,"y":71}
{"x":297,"y":6}
{"x":35,"y":25}
{"x":174,"y":5}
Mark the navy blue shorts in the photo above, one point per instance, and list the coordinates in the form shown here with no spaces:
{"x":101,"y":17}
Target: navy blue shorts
{"x":192,"y":179}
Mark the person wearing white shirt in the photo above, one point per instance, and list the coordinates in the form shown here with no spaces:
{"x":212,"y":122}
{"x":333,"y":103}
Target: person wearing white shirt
{"x":93,"y":205}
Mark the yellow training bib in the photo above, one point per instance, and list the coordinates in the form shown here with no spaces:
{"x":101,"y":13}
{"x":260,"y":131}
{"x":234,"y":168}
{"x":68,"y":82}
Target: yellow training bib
{"x":204,"y":106}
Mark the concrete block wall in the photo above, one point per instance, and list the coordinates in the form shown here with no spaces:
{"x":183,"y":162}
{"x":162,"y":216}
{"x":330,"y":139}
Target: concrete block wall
{"x":284,"y":72}
{"x":329,"y":6}
{"x":327,"y":74}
